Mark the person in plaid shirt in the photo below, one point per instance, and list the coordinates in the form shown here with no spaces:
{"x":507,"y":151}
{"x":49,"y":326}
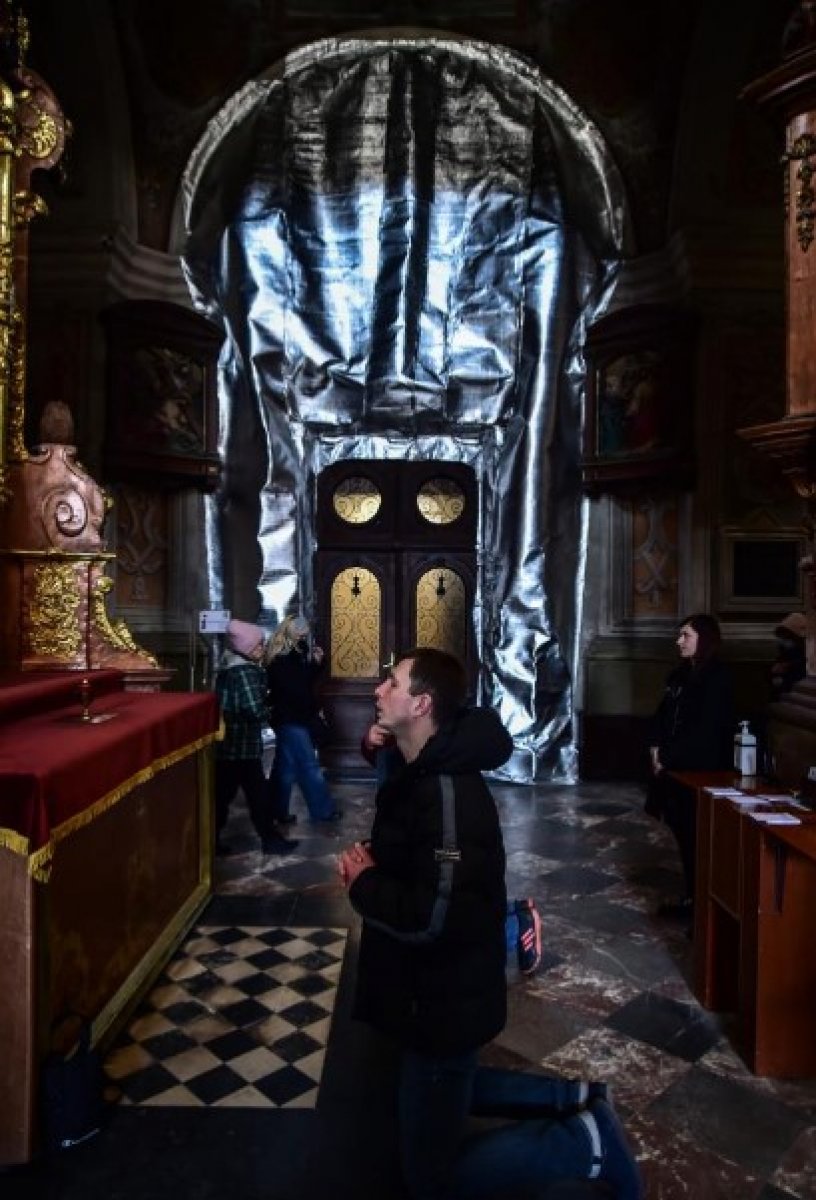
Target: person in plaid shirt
{"x":240,"y":685}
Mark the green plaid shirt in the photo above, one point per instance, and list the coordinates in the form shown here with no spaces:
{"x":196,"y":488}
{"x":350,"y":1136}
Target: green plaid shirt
{"x":241,"y":691}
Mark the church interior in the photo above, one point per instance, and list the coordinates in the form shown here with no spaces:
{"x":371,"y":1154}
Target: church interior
{"x":486,"y":326}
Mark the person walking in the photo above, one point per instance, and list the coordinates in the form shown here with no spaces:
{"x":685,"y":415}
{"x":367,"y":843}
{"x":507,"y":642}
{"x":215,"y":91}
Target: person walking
{"x":429,"y":887}
{"x":292,"y":668}
{"x":241,"y":690}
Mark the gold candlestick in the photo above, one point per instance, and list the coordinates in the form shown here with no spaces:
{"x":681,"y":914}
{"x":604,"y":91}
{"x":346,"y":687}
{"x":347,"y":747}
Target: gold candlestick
{"x":85,"y":697}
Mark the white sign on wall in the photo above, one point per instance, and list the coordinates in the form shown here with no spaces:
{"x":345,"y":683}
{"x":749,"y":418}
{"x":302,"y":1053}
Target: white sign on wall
{"x":213,"y":620}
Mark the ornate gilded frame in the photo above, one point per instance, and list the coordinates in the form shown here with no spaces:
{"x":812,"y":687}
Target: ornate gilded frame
{"x":638,"y":432}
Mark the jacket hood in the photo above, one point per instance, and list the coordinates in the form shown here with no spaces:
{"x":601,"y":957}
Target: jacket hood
{"x":475,"y":740}
{"x":795,"y":623}
{"x":230,"y":659}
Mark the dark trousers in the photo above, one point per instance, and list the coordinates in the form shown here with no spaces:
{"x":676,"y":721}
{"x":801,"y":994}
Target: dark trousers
{"x":519,"y":1161}
{"x":247,"y":774}
{"x":670,"y":801}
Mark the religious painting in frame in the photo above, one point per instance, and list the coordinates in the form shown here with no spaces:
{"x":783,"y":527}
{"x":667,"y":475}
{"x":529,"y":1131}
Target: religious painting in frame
{"x":161,"y":413}
{"x":638,"y":431}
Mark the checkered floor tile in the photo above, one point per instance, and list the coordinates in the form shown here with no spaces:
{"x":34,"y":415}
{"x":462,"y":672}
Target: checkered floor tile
{"x":240,"y":1018}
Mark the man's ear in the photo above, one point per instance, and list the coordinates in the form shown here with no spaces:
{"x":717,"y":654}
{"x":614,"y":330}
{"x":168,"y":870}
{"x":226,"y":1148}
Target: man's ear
{"x":423,"y":704}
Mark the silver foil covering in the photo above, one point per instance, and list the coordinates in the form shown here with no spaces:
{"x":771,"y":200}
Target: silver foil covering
{"x":404,"y":239}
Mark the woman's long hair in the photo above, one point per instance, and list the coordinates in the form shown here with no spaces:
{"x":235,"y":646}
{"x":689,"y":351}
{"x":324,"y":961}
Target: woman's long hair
{"x":286,"y":637}
{"x":709,"y":637}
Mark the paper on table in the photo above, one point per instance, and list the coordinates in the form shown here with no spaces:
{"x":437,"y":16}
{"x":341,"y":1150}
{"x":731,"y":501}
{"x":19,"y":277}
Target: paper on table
{"x":791,"y":800}
{"x":775,"y":818}
{"x":725,"y":792}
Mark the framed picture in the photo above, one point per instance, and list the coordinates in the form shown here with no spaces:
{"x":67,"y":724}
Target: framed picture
{"x":638,"y":431}
{"x":161,"y":411}
{"x":760,"y":571}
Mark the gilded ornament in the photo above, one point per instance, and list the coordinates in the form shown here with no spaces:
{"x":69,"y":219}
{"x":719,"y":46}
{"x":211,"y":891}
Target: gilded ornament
{"x":801,"y":151}
{"x":440,"y":501}
{"x":40,"y":133}
{"x":357,"y":500}
{"x":356,"y":607}
{"x":53,"y":626}
{"x":16,"y":428}
{"x":115,"y":633}
{"x":8,"y":132}
{"x":28,"y":205}
{"x":441,"y":611}
{"x":8,"y":121}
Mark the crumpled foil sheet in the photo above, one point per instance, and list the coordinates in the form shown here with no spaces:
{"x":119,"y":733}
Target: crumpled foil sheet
{"x":404,"y":239}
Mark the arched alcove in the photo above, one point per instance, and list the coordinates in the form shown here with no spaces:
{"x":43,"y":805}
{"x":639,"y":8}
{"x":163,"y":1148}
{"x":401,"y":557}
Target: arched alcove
{"x":403,"y":237}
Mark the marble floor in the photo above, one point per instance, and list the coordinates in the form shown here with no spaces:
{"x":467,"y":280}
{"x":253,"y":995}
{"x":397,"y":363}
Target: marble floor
{"x":243,"y":1075}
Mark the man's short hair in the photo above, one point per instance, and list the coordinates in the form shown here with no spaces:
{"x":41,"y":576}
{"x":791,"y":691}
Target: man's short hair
{"x":442,"y":677}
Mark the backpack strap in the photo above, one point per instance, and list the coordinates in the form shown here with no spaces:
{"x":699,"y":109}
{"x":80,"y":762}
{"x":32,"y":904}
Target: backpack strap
{"x":446,"y":856}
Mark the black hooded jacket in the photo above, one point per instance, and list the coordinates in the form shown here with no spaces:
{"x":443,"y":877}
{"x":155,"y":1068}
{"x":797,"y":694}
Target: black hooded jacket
{"x":432,"y":953}
{"x":291,"y":680}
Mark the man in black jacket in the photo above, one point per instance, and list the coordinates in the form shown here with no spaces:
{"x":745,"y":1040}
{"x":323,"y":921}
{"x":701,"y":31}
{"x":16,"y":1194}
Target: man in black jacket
{"x":430,"y":889}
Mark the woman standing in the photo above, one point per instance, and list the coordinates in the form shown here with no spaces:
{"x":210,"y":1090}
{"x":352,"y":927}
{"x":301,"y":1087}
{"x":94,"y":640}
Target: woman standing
{"x":692,"y":730}
{"x":292,"y":667}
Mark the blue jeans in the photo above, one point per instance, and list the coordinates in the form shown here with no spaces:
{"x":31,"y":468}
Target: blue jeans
{"x":296,"y":762}
{"x":436,"y":1096}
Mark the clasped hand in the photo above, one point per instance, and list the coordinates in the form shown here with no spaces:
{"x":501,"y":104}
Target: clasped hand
{"x":351,"y":862}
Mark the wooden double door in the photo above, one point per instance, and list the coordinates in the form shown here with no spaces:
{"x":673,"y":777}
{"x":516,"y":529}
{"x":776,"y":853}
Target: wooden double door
{"x":395,"y":567}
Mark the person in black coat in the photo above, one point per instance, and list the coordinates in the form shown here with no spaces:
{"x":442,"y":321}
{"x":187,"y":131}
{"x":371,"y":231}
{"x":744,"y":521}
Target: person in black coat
{"x":292,"y":669}
{"x":692,"y":730}
{"x":430,"y":889}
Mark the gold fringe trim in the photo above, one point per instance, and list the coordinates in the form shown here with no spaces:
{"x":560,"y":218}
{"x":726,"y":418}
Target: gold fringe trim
{"x":10,"y":840}
{"x":39,"y":863}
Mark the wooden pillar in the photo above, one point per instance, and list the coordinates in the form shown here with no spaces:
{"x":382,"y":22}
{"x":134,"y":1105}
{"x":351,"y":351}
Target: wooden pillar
{"x":788,"y":95}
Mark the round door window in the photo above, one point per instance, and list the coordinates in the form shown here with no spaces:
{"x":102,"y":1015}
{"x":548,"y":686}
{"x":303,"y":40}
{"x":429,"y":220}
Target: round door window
{"x":441,"y":501}
{"x":357,"y":500}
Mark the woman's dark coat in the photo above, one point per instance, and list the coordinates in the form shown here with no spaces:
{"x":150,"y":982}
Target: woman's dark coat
{"x":693,"y":729}
{"x":290,"y":680}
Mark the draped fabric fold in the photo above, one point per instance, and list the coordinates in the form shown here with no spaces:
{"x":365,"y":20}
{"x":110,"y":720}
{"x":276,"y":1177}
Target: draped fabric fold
{"x":404,"y":238}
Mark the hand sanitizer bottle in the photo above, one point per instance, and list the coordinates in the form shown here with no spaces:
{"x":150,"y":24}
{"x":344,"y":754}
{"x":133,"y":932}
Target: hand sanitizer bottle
{"x":745,"y":753}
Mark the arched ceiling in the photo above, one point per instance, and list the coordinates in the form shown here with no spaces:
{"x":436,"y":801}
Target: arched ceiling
{"x":629,"y":64}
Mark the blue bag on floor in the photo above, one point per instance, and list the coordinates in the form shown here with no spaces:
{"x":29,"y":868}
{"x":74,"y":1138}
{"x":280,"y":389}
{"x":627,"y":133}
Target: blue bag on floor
{"x":72,"y":1090}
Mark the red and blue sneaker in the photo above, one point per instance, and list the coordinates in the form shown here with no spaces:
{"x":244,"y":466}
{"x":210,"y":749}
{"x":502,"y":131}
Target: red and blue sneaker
{"x":529,"y":940}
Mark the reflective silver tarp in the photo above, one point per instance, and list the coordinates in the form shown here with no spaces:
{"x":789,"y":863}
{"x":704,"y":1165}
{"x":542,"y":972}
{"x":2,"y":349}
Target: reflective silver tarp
{"x":404,"y":238}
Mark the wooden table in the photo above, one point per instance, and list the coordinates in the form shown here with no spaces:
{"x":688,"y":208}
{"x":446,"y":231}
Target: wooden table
{"x":777,"y":982}
{"x":755,"y":926}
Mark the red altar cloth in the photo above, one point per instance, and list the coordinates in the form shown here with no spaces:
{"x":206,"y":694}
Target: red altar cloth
{"x":27,"y":692}
{"x":57,"y":773}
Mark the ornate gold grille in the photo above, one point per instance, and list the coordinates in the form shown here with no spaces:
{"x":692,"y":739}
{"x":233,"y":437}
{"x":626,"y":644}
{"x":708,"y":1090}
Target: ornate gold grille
{"x":440,"y":501}
{"x":356,"y":613}
{"x":357,"y":500}
{"x":54,"y":626}
{"x":441,"y":614}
